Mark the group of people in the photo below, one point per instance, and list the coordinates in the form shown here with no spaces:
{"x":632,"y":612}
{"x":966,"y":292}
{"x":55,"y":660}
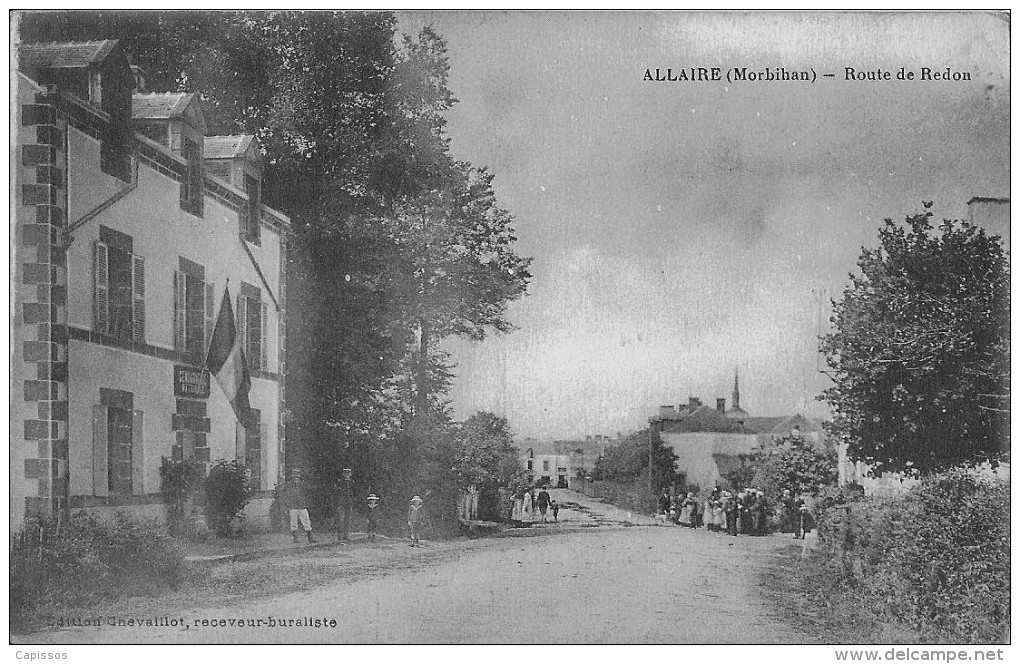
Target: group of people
{"x":529,"y":505}
{"x":747,"y":512}
{"x":293,"y":496}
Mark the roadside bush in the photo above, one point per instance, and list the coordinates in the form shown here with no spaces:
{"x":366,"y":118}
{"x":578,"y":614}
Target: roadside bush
{"x":632,"y":495}
{"x":935,"y":559}
{"x":228,"y":489}
{"x":86,"y":560}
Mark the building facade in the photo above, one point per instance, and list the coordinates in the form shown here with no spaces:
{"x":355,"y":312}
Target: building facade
{"x":130,"y":227}
{"x":710,"y":443}
{"x":559,"y":463}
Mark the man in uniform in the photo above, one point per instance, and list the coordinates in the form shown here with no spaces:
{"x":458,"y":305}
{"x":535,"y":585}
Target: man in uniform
{"x":345,"y":504}
{"x":296,"y":503}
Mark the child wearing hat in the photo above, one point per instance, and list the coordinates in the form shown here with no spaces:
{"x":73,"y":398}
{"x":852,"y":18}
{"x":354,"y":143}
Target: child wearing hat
{"x":373,"y":516}
{"x":414,"y":518}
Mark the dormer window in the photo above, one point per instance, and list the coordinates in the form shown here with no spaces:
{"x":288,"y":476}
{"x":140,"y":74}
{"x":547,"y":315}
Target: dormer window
{"x":175,"y":120}
{"x":96,"y":73}
{"x":237,"y":161}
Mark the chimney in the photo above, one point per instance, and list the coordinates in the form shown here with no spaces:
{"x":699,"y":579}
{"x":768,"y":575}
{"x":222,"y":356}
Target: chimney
{"x":667,"y":412}
{"x":720,"y":405}
{"x":693,"y":402}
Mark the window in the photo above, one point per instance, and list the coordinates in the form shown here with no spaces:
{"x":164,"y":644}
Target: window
{"x":252,"y":315}
{"x":531,"y":465}
{"x":117,"y":445}
{"x":545,"y":466}
{"x":119,"y":288}
{"x":252,"y":214}
{"x":191,"y":188}
{"x":194,"y":304}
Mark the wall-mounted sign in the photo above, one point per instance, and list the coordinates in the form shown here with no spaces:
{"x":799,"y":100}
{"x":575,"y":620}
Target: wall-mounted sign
{"x":191,"y":382}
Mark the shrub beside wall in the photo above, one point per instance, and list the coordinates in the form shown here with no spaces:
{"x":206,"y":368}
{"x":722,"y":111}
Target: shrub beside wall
{"x":86,"y":560}
{"x":935,"y":559}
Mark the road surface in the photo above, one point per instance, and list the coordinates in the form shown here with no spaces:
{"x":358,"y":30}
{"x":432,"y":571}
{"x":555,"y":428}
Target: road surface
{"x":606,"y":584}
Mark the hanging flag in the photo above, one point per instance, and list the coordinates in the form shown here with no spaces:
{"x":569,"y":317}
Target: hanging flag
{"x":226,"y":360}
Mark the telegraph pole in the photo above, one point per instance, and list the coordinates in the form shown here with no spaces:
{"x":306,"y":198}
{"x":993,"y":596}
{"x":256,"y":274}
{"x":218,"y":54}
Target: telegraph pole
{"x":651,"y":484}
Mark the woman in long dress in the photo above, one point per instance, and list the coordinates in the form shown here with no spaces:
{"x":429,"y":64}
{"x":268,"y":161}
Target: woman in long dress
{"x":529,"y":506}
{"x":687,"y":508}
{"x":518,"y":510}
{"x":719,"y":515}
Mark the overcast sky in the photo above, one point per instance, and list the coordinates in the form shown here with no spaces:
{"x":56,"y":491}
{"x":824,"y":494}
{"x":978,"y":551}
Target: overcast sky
{"x":681,"y":229}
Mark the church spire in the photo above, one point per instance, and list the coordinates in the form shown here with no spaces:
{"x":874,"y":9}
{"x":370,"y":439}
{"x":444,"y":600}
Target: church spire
{"x":736,"y":388}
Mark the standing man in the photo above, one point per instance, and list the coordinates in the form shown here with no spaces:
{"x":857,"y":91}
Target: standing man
{"x":345,"y":504}
{"x":730,"y":509}
{"x":295,"y":500}
{"x":664,"y":502}
{"x":372,"y":517}
{"x":543,"y":502}
{"x":414,"y":519}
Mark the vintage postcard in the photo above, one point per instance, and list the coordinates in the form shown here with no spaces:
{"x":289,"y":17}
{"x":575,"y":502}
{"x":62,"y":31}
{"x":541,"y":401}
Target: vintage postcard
{"x":511,"y":327}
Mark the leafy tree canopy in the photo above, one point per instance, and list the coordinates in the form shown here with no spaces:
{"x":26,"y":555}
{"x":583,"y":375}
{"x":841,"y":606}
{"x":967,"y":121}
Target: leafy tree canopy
{"x":920,"y":351}
{"x":485,"y":455}
{"x":628,"y":460}
{"x":794,"y":463}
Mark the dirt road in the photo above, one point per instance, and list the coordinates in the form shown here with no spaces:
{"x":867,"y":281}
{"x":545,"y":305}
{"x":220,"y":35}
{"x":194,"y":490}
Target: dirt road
{"x":610,"y":584}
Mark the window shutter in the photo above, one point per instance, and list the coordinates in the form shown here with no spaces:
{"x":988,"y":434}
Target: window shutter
{"x":263,"y":363}
{"x":210,"y":314}
{"x":138,"y":299}
{"x":137,"y":454}
{"x":100,"y":452}
{"x":180,"y":311}
{"x":242,"y":218}
{"x":242,"y":323}
{"x":263,"y":482}
{"x":101,"y":272}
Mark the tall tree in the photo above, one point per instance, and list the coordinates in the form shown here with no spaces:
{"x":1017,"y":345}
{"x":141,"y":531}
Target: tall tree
{"x":396,"y":244}
{"x":920,"y":352}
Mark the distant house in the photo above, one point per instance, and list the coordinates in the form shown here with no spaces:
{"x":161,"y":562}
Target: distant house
{"x":992,"y":214}
{"x":711,"y":442}
{"x":558,"y":462}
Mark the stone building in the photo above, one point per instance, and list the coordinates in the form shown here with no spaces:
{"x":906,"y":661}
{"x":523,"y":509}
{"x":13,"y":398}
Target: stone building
{"x":130,"y":225}
{"x":710,"y":441}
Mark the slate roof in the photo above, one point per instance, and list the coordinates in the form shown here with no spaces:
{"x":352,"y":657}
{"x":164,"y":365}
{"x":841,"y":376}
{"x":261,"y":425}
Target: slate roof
{"x":64,"y":55}
{"x":737,"y":413}
{"x":780,"y":425}
{"x":227,"y":147}
{"x":540,"y":448}
{"x":159,"y":105}
{"x":702,"y":418}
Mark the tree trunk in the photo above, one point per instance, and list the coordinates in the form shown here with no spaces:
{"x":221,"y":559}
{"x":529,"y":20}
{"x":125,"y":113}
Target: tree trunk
{"x":421,"y":397}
